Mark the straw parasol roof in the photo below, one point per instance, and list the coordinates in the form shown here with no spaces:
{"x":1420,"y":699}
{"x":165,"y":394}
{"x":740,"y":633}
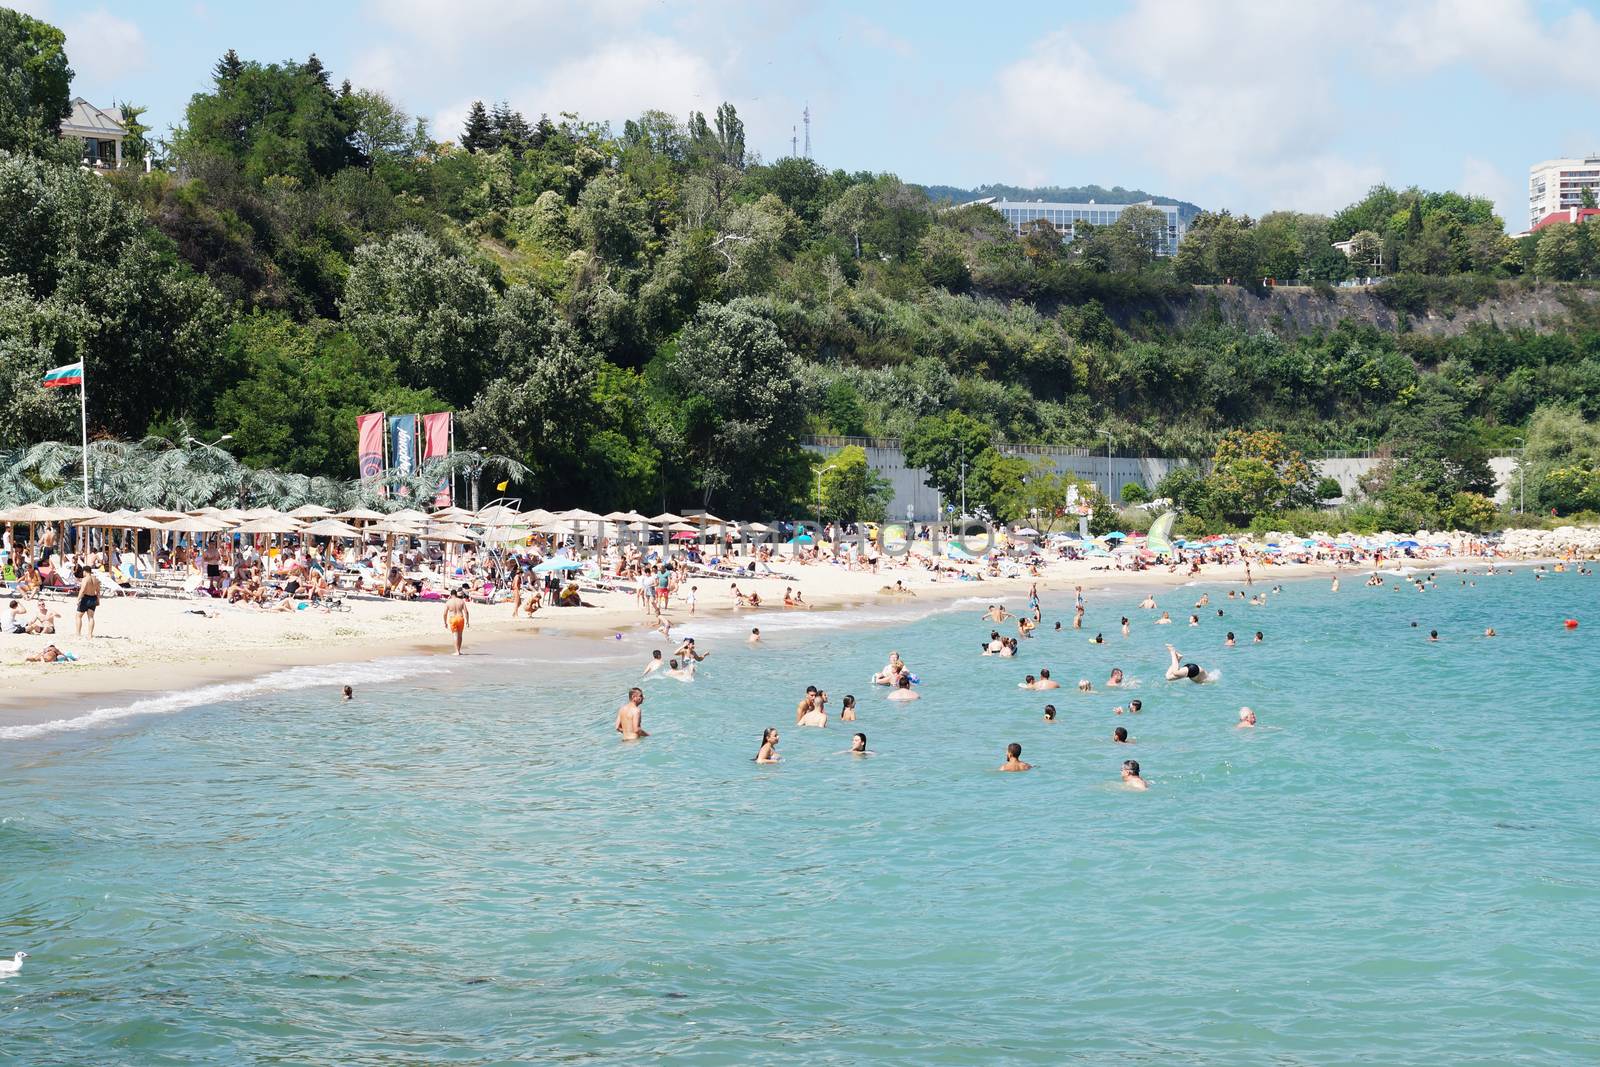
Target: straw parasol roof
{"x":161,"y":514}
{"x":408,"y":515}
{"x":707,"y":519}
{"x":122,"y":520}
{"x":503,"y":534}
{"x":625,"y":516}
{"x":195,"y":524}
{"x":451,"y":514}
{"x":270,"y":524}
{"x":666,"y":516}
{"x":207,"y":510}
{"x":75,"y":514}
{"x":331,"y":528}
{"x":392,"y":526}
{"x":537,"y":515}
{"x":578,"y":515}
{"x":683,"y":527}
{"x":311,"y":511}
{"x":33,"y":513}
{"x":361,"y":515}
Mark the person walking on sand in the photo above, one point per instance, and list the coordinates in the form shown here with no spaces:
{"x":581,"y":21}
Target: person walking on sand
{"x":88,"y":598}
{"x":456,"y":617}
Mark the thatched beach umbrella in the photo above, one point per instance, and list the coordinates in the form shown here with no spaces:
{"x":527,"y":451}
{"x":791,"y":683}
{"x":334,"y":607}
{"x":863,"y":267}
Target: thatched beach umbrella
{"x":331,"y":528}
{"x":361,"y":515}
{"x":311,"y":511}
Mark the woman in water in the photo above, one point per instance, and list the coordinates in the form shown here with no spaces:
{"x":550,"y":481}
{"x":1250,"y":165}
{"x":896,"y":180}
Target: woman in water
{"x":858,"y":745}
{"x":1229,"y":643}
{"x":847,"y":713}
{"x":769,"y":746}
{"x":1165,"y":620}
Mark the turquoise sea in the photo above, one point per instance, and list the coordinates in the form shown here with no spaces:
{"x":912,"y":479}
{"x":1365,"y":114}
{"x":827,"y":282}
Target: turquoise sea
{"x":1400,"y":865}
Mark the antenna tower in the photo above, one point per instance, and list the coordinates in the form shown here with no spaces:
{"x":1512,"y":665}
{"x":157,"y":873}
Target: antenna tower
{"x":794,"y":147}
{"x":806,"y":114}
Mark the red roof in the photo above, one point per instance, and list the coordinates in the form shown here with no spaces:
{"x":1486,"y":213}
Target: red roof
{"x":1567,"y":214}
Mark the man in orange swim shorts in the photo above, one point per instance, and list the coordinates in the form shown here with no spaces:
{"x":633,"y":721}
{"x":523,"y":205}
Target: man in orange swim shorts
{"x":455,"y":617}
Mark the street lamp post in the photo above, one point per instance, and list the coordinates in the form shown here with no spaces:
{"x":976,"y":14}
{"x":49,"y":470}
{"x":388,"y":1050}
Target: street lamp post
{"x":820,"y":473}
{"x":1522,"y":475}
{"x":1107,"y":435}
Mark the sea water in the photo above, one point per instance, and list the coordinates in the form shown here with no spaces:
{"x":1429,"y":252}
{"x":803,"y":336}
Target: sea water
{"x":1399,"y":865}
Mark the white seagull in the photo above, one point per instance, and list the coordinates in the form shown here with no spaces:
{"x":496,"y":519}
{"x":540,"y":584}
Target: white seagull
{"x":13,"y":965}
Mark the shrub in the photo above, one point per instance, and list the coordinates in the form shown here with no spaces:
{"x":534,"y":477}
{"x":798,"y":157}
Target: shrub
{"x":1134,"y":493}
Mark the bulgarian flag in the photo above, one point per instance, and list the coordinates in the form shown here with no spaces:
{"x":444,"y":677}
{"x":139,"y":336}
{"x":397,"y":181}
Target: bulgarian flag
{"x":71,"y":374}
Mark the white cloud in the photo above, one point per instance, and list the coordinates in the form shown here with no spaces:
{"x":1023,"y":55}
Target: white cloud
{"x":1482,"y":178}
{"x":103,"y":48}
{"x":1250,"y":100}
{"x":624,"y":78}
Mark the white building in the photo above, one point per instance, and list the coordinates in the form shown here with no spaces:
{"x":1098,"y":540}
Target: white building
{"x":1557,"y":184}
{"x":1066,"y":218}
{"x":100,"y":131}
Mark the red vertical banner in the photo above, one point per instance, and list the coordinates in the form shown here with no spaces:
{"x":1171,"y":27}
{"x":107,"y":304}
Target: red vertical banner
{"x":436,"y":444}
{"x":369,"y":444}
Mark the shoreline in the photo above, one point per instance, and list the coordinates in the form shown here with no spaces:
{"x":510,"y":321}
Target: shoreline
{"x":45,"y":694}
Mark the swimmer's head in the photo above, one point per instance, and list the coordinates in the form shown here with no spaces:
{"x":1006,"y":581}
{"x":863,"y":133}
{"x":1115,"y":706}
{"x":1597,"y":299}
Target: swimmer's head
{"x":769,"y":735}
{"x":349,"y":693}
{"x":1230,"y":635}
{"x":1028,"y":680}
{"x":1120,"y":735}
{"x":811,"y":690}
{"x":1084,"y":685}
{"x":756,"y":630}
{"x":673,"y":663}
{"x":1049,"y":713}
{"x":1014,"y":750}
{"x":636,"y":695}
{"x":1116,"y":674}
{"x":905,"y":681}
{"x":849,"y":701}
{"x":656,"y":654}
{"x":1191,"y":670}
{"x":1135,"y":705}
{"x":1130,"y":768}
{"x":858,"y":743}
{"x":1246,"y":715}
{"x":1044,"y":673}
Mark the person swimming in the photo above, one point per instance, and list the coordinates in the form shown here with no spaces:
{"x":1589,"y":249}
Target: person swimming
{"x":768,"y":752}
{"x":858,"y":746}
{"x":755,"y":635}
{"x":1116,"y":677}
{"x":1178,"y":669}
{"x":1026,"y":683}
{"x":891,"y":670}
{"x":1229,"y":643}
{"x":1130,"y":775}
{"x":1148,"y":603}
{"x":1134,"y":707}
{"x":655,"y":664}
{"x":1085,"y":686}
{"x":1049,"y":713}
{"x":1124,"y":626}
{"x":1045,"y":681}
{"x":1259,"y":637}
{"x":1194,"y":620}
{"x":847,"y":711}
{"x":904,"y":692}
{"x":684,"y":673}
{"x":1120,"y":736}
{"x":349,"y":693}
{"x":1097,"y":639}
{"x":1247,"y":719}
{"x":1433,"y":635}
{"x":1014,"y":759}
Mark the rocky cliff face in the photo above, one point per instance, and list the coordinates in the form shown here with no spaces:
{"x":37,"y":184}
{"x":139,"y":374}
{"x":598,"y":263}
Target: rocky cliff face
{"x":1297,"y":309}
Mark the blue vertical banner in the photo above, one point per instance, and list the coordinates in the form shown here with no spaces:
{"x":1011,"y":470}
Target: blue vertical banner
{"x":403,"y":444}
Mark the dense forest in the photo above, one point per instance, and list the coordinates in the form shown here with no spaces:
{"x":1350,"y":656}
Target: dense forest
{"x":654,"y":314}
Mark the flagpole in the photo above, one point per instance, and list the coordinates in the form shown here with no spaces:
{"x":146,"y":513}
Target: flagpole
{"x":83,"y":424}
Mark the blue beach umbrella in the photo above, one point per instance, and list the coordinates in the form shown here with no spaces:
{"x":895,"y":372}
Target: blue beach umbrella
{"x":1115,"y":535}
{"x":802,"y":539}
{"x":558,"y":564}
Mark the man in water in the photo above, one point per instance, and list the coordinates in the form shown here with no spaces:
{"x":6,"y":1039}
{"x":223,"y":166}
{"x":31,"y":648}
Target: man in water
{"x":1247,"y":719}
{"x":1120,"y":736}
{"x":685,"y":673}
{"x":1130,"y":775}
{"x":1045,"y":681}
{"x":1134,"y":707}
{"x":996,"y":613}
{"x":1148,"y":603}
{"x":1178,"y":669}
{"x":905,"y":692}
{"x":655,"y":664}
{"x":1014,"y":759}
{"x":630,"y":717}
{"x":349,"y":693}
{"x":1259,"y":637}
{"x":1433,"y":635}
{"x":456,"y":617}
{"x":1115,"y":681}
{"x":755,"y":635}
{"x":686,"y":651}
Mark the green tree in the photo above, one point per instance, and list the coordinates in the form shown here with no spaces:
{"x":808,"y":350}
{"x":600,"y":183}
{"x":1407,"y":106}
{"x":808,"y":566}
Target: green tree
{"x":35,"y":86}
{"x":851,"y":490}
{"x":1257,"y":473}
{"x":88,"y":279}
{"x":843,"y":410}
{"x":941,"y":445}
{"x":426,"y":311}
{"x":740,"y":407}
{"x":137,"y":146}
{"x":383,"y":130}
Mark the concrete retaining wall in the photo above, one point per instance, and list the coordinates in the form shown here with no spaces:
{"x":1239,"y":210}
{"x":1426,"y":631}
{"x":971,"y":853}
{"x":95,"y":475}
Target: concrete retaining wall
{"x":912,"y":492}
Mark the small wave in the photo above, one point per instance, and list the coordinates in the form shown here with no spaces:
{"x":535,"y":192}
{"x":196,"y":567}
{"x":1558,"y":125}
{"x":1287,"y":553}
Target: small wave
{"x":373,"y":672}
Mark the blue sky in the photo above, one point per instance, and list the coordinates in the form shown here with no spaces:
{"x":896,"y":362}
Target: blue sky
{"x":1227,"y":103}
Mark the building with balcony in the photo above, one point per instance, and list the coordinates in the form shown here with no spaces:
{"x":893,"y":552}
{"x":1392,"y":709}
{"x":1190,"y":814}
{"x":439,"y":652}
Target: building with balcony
{"x":1068,"y":218}
{"x":1558,"y":184}
{"x":100,"y":131}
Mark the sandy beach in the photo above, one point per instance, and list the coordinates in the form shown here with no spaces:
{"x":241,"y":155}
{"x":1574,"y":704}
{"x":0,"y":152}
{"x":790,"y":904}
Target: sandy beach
{"x":148,"y":645}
